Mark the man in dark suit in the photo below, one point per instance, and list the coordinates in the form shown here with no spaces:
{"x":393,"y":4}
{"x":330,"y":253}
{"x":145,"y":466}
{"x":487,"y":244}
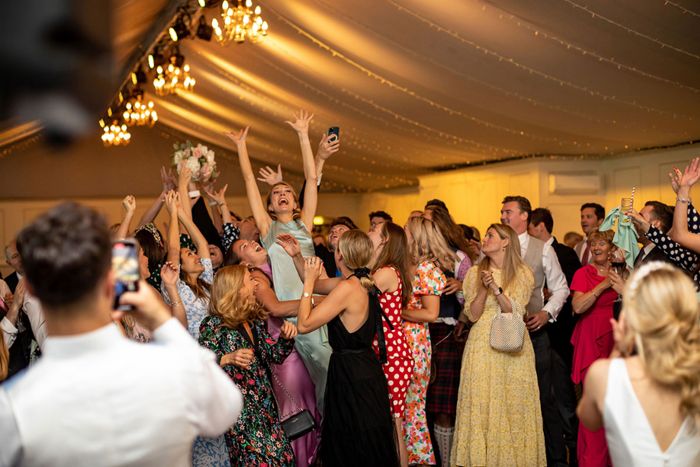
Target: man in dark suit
{"x":660,"y":216}
{"x":560,"y":331}
{"x":15,"y":262}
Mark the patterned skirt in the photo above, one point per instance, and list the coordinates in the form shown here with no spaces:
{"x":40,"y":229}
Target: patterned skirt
{"x":446,"y":366}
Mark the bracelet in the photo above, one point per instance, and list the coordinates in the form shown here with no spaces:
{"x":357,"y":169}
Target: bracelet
{"x":313,"y":304}
{"x":176,"y":304}
{"x":684,"y":201}
{"x":594,"y":294}
{"x":194,"y":193}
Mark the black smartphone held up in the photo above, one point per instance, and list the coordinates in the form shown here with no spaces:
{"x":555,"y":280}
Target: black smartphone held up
{"x":125,"y":265}
{"x":333,"y":131}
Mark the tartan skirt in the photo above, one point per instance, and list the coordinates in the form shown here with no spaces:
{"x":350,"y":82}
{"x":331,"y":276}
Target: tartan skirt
{"x":447,"y":363}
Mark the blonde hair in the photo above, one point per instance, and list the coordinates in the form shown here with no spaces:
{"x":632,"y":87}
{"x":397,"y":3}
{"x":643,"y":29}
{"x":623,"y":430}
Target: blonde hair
{"x":4,"y":357}
{"x":512,"y":263}
{"x":661,"y":309}
{"x":429,"y":244}
{"x":357,"y":251}
{"x":605,"y":235}
{"x":226,"y":302}
{"x":296,"y":214}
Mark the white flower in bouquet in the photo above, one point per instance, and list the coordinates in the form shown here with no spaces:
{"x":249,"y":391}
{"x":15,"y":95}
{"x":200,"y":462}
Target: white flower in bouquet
{"x":199,"y":159}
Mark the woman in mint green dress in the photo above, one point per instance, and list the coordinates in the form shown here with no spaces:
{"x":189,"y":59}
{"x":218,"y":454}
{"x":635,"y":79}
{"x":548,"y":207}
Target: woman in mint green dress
{"x":281,"y":215}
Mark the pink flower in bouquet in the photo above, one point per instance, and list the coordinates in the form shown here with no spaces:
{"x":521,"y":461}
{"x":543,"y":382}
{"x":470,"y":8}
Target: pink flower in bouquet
{"x":186,"y":154}
{"x":210,"y":157}
{"x":197,"y":153}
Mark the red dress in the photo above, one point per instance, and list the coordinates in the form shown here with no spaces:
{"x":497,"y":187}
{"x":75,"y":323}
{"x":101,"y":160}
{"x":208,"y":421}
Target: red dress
{"x":399,"y":366}
{"x":592,"y":339}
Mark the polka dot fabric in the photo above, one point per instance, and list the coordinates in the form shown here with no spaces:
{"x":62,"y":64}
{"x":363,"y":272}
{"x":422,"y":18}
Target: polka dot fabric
{"x":399,"y":366}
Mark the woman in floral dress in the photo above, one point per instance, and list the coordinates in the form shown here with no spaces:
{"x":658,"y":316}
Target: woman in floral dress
{"x":430,"y":254}
{"x":390,"y":273}
{"x":236,"y":333}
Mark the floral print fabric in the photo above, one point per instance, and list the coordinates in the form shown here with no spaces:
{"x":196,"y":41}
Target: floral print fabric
{"x":429,"y":280}
{"x":257,"y":438}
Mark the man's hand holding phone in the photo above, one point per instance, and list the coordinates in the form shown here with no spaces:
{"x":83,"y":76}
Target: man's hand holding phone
{"x":148,"y":308}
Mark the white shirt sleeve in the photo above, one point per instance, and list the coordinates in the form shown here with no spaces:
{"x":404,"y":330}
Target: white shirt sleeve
{"x":10,"y":332}
{"x":556,"y":282}
{"x":11,"y":452}
{"x":216,"y":400}
{"x":32,"y":308}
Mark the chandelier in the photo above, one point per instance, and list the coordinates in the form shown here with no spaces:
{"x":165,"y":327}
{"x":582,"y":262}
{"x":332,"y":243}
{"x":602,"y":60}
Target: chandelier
{"x":239,"y":22}
{"x":115,"y":134}
{"x":140,"y":113}
{"x":176,"y":75}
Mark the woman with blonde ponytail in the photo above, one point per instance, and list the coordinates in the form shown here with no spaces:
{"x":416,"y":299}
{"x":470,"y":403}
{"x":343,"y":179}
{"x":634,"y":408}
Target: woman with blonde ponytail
{"x":358,"y":428}
{"x":649,"y":402}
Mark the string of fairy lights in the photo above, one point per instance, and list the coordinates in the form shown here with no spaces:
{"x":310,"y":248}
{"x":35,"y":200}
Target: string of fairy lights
{"x":684,"y":10}
{"x":163,"y":66}
{"x":663,"y":45}
{"x":535,"y":72}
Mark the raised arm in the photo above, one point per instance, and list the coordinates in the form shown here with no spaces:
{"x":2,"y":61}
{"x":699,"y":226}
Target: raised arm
{"x":216,"y":216}
{"x":169,"y":183}
{"x":199,"y":241}
{"x":681,"y":234}
{"x":172,"y":200}
{"x":267,"y":297}
{"x":219,"y":197}
{"x":257,"y":207}
{"x":170,"y":275}
{"x":129,"y":204}
{"x":183,"y":187}
{"x":311,"y":318}
{"x":291,"y":245}
{"x":325,"y":150}
{"x":301,"y":126}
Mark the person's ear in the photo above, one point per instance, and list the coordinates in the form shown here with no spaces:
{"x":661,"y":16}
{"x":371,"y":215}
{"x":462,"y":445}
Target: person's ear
{"x":600,"y":222}
{"x":656,"y":224}
{"x":269,"y":208}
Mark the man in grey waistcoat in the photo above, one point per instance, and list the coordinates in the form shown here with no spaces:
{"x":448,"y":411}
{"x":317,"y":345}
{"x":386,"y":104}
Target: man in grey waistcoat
{"x":545,"y":266}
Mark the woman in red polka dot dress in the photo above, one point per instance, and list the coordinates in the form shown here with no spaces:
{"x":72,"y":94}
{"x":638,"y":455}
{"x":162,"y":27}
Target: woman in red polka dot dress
{"x":391,"y":277}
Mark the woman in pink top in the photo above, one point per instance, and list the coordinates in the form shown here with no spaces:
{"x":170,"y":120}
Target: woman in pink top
{"x":592,"y":339}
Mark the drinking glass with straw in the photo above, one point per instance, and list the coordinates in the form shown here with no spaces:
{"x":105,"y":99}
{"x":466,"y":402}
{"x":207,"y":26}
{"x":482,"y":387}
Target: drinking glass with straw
{"x":627,"y":204}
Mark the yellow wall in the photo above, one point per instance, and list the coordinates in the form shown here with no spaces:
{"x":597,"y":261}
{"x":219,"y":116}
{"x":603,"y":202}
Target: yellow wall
{"x":473,"y":195}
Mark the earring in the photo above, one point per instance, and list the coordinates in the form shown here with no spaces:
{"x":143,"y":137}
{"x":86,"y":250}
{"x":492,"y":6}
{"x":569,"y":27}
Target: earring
{"x":504,"y":248}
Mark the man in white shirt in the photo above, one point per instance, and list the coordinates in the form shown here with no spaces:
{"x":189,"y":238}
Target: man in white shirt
{"x":592,"y":216}
{"x":95,"y":398}
{"x":544,"y":263}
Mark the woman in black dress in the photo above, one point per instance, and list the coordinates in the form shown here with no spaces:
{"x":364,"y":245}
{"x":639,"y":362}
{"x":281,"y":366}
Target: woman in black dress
{"x":358,"y":428}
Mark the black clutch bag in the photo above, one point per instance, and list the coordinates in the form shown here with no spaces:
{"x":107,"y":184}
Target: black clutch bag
{"x":298,"y":424}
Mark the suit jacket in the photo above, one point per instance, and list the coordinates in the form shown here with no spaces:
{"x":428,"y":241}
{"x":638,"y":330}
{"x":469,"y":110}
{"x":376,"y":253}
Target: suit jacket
{"x":12,"y":281}
{"x":560,"y":331}
{"x":656,"y":254}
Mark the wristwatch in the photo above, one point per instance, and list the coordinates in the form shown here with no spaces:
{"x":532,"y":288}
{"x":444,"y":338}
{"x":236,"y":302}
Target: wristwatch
{"x":500,"y":291}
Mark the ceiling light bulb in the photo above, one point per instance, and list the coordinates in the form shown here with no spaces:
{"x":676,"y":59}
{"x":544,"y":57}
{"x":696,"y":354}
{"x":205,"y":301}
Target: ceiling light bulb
{"x":215,"y":23}
{"x":202,"y":3}
{"x":151,"y":61}
{"x":224,"y":6}
{"x":257,"y":10}
{"x":173,"y":34}
{"x":249,"y":3}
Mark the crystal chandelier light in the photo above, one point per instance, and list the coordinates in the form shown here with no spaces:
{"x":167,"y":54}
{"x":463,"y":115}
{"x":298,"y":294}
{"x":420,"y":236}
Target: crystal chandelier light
{"x":238,"y":22}
{"x":115,"y":134}
{"x":140,"y":113}
{"x":176,"y":75}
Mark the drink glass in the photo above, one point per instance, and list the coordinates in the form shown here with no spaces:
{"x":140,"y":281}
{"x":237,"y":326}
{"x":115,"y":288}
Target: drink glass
{"x":626,"y":205}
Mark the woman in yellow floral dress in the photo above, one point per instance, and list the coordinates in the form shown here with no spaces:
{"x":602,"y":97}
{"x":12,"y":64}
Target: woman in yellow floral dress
{"x":499,"y":422}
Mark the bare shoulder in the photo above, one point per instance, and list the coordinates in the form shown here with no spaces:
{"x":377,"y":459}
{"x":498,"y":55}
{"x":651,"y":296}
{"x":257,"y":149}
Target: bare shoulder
{"x":260,"y":276}
{"x":386,"y":280}
{"x":597,"y":378}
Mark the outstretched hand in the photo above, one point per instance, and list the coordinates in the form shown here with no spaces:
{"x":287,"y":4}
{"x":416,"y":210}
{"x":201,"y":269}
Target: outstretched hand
{"x":185,"y":177}
{"x":170,"y":274}
{"x":218,"y":196}
{"x":638,"y":220}
{"x":326,"y":148}
{"x":172,"y":201}
{"x":289,"y":243}
{"x":313,"y":267}
{"x":129,"y":203}
{"x":691,"y":174}
{"x":301,"y":124}
{"x":240,"y":137}
{"x":269,"y":176}
{"x":169,"y":180}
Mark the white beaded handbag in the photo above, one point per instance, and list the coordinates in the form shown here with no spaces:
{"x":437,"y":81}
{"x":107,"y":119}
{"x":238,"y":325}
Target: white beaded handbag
{"x":508,"y":329}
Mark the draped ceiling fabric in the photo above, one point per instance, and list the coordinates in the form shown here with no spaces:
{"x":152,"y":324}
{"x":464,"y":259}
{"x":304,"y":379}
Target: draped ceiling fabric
{"x":419,"y":86}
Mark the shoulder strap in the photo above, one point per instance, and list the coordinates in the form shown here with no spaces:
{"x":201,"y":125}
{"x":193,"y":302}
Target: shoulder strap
{"x":378,"y":311}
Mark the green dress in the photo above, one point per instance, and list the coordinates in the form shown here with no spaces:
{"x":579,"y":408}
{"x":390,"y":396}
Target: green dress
{"x":312,"y":347}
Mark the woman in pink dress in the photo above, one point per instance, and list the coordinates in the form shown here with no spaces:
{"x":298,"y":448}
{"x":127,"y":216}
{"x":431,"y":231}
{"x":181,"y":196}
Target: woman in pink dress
{"x":593,"y":299}
{"x":390,"y":272}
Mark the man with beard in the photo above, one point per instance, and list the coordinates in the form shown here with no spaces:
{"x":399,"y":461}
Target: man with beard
{"x":339,"y":226}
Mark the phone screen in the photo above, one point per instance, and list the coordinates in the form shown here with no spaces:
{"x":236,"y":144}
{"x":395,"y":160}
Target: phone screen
{"x":125,"y":265}
{"x":333,"y":133}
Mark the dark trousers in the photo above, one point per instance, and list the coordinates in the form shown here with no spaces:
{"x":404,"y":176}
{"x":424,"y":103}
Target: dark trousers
{"x":566,"y":402}
{"x":551,"y":420}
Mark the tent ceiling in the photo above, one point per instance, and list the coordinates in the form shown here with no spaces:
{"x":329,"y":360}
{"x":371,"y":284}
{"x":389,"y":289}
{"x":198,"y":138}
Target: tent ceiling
{"x":419,"y":86}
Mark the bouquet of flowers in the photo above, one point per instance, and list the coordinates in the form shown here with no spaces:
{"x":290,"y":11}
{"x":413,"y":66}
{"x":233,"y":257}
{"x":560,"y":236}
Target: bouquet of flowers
{"x":199,"y":159}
